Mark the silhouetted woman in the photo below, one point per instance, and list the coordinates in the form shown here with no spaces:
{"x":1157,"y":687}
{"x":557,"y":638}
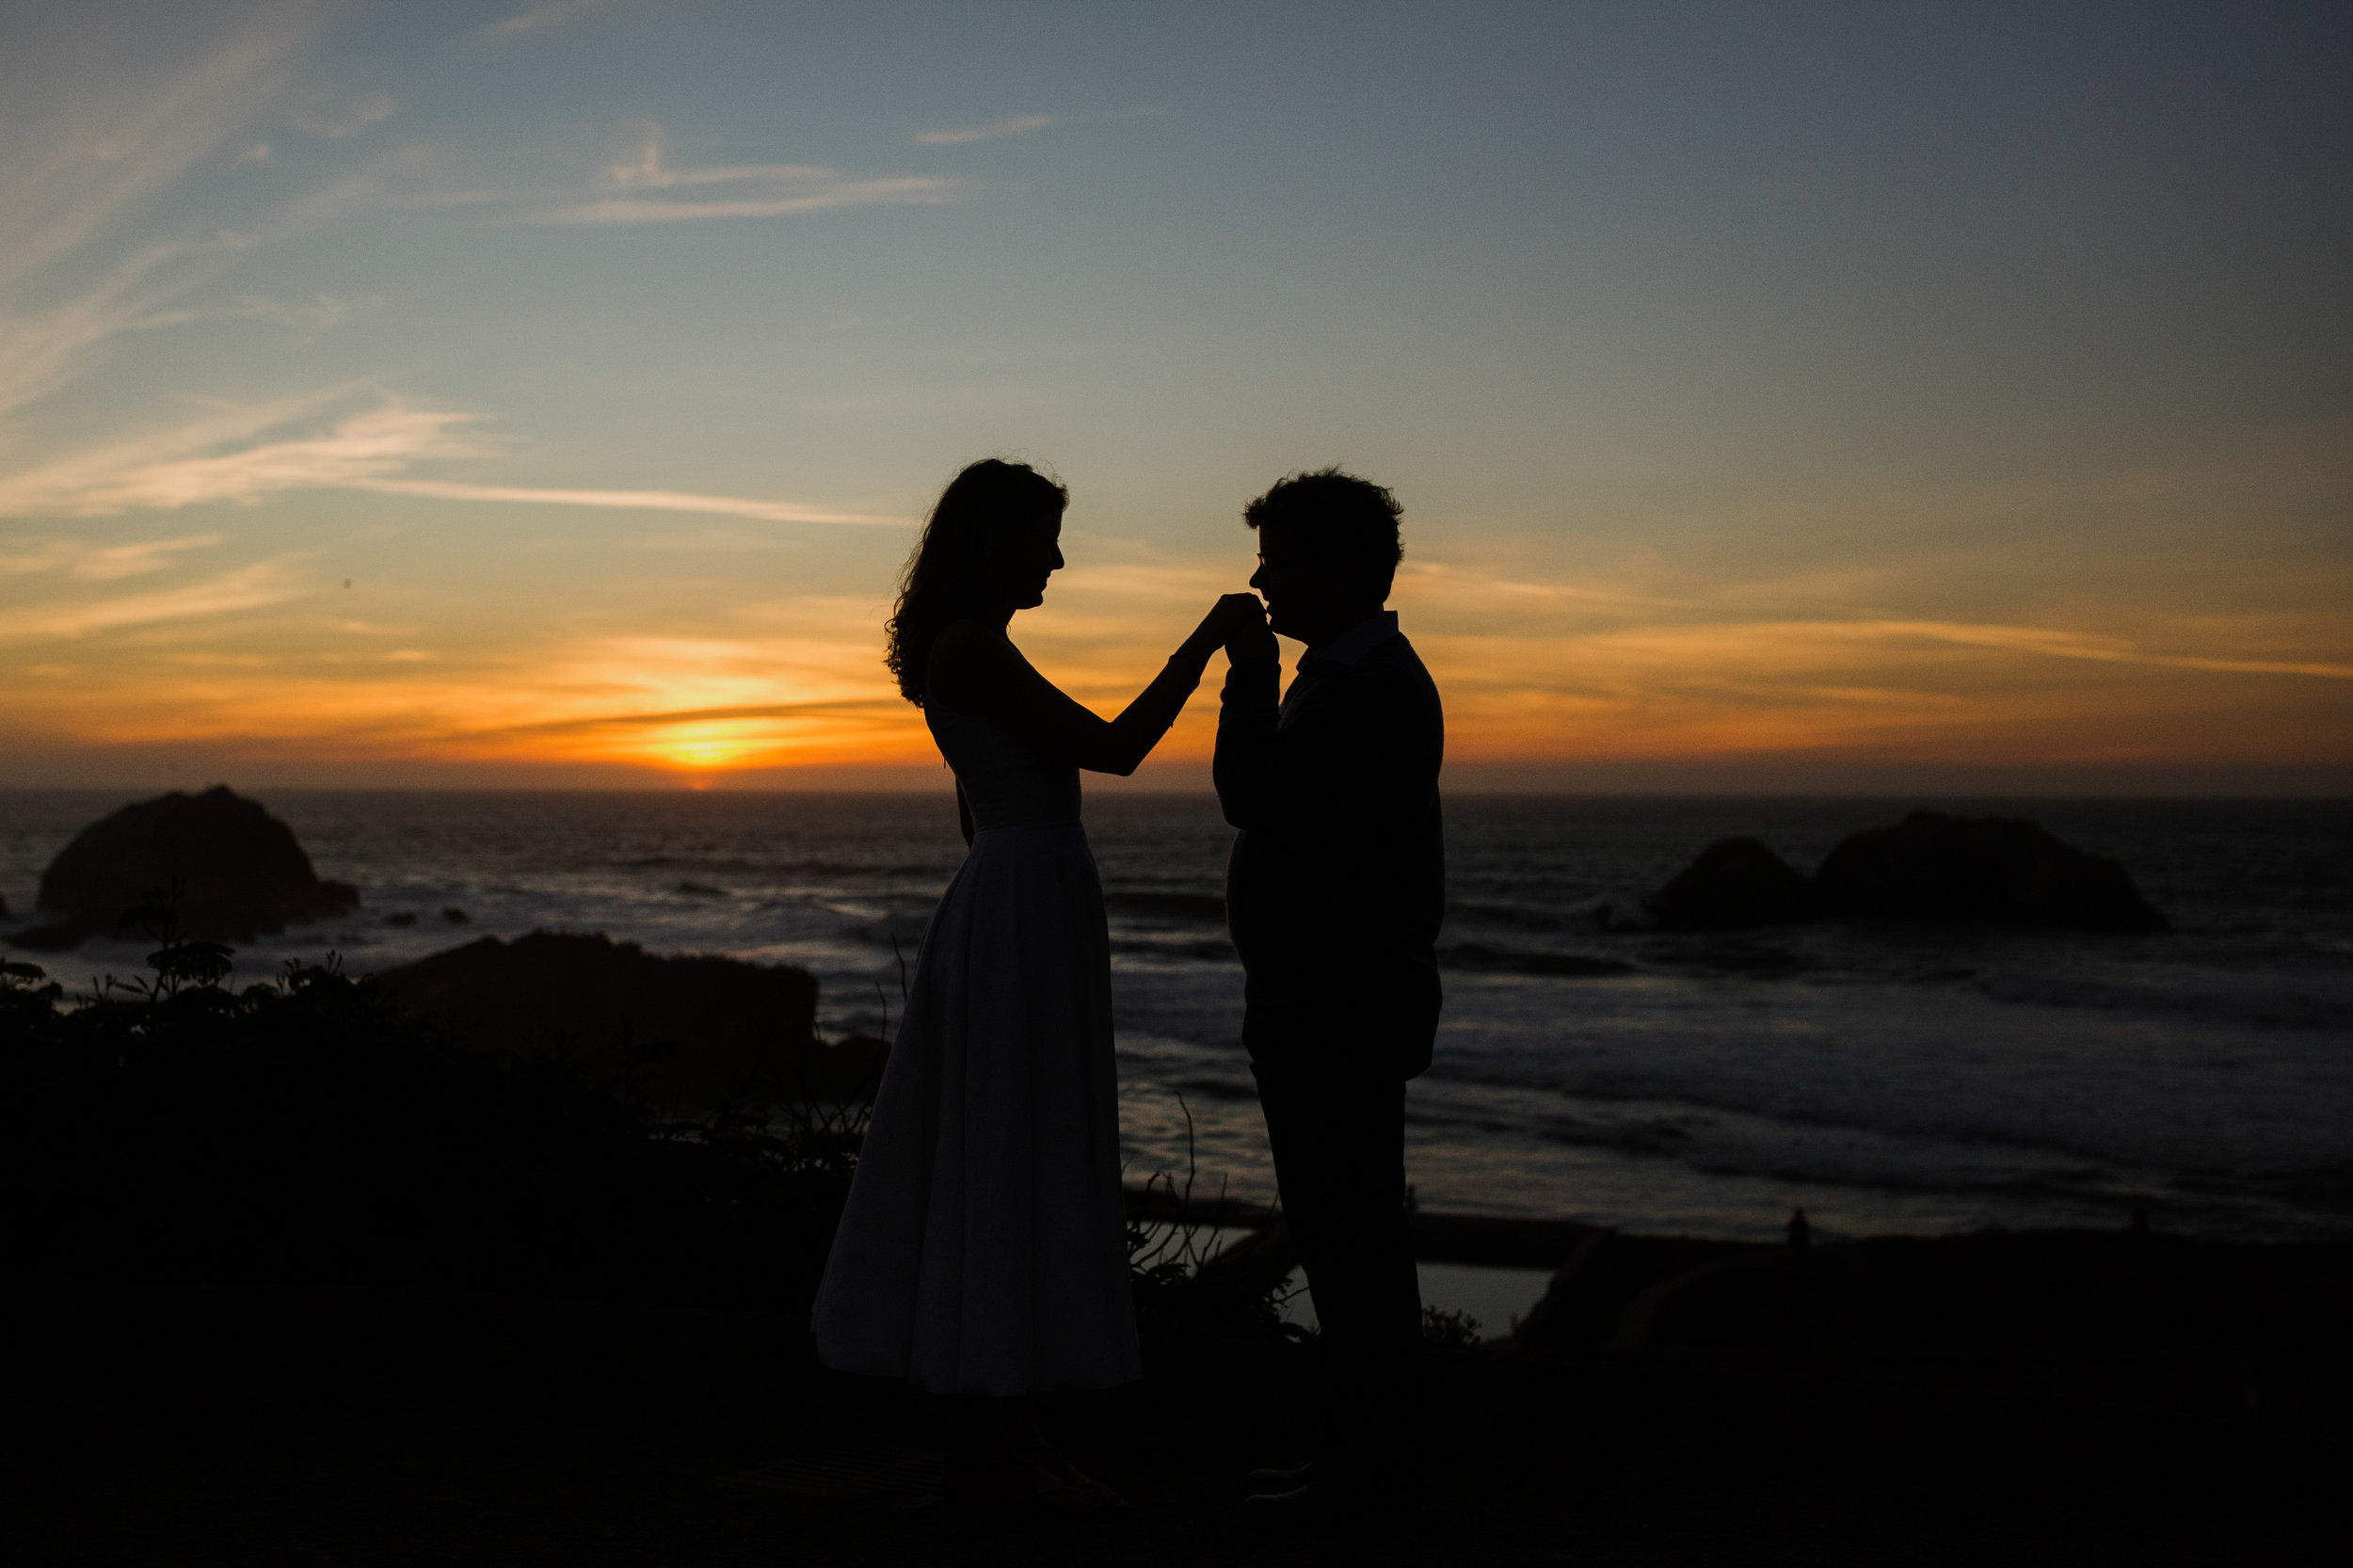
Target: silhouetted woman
{"x":983,"y":1252}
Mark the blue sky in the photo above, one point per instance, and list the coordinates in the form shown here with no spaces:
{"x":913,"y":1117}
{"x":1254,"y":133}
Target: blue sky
{"x":1802,"y":397}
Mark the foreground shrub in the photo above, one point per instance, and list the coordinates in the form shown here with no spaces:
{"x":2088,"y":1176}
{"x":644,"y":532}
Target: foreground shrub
{"x":306,"y":1128}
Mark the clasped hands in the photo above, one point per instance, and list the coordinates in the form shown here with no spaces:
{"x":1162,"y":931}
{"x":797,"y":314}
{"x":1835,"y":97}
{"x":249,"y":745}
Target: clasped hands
{"x":1237,"y":622}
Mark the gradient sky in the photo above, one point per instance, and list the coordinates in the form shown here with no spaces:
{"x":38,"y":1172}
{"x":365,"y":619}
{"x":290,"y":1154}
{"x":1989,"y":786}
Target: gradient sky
{"x":1796,"y":397}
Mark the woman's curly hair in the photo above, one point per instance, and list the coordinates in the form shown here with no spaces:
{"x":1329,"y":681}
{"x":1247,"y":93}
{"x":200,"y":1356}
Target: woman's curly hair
{"x":946,"y":576}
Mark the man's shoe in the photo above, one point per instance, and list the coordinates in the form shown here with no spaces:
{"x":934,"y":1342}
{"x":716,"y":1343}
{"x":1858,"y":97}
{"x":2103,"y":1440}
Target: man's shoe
{"x":1331,"y":1507}
{"x":1278,"y":1478}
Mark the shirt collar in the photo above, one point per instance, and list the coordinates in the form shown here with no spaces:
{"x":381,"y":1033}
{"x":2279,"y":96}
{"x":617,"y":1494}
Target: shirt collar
{"x":1353,"y":644}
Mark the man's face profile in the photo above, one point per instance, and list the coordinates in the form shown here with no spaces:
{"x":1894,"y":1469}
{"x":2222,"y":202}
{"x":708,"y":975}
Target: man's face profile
{"x":1296,"y":591}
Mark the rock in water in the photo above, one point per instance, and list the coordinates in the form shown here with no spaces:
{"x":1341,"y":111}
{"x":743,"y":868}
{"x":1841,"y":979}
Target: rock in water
{"x":1998,"y":870}
{"x":1734,"y":884}
{"x":240,"y":872}
{"x":695,"y":1030}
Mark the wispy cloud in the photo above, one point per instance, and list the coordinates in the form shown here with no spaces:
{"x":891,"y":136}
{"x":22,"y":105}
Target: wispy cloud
{"x":538,"y":19}
{"x":374,"y":443}
{"x":887,"y":704}
{"x":80,"y":155}
{"x":714,"y":540}
{"x":373,"y":449}
{"x":649,"y":501}
{"x":765,"y":190}
{"x":39,"y":348}
{"x":1513,"y":595}
{"x":823,"y":190}
{"x":252,"y":587}
{"x":1820,"y":626}
{"x":317,"y":314}
{"x":46,"y":336}
{"x":86,"y":151}
{"x":96,"y":562}
{"x":337,"y":116}
{"x":2072,"y":645}
{"x":646,"y":171}
{"x":321,"y":311}
{"x":1022,"y":124}
{"x":1016,"y":125}
{"x":92,"y":155}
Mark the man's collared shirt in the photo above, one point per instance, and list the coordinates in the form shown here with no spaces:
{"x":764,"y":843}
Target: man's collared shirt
{"x":1349,"y":646}
{"x":1358,"y":640}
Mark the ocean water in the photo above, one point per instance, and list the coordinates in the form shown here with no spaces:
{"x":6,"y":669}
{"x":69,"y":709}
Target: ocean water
{"x":1888,"y":1079}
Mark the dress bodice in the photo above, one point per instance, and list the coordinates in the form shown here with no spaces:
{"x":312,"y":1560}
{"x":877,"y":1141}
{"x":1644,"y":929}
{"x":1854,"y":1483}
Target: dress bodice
{"x":1007,"y":783}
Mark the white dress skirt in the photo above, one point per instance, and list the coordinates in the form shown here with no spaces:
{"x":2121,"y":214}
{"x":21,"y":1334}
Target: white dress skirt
{"x":984,"y":1250}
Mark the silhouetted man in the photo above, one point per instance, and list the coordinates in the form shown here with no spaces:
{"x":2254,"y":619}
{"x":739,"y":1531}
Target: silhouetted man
{"x":1333,"y":897}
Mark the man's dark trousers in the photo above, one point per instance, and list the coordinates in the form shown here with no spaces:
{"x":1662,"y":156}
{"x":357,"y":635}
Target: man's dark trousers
{"x":1336,"y":1119}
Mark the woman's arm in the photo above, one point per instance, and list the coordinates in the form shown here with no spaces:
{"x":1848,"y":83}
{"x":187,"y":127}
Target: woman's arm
{"x":974,"y":669}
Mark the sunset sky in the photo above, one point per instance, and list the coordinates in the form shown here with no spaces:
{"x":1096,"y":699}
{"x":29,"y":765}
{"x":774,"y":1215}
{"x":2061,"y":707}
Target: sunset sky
{"x":1781,"y":396}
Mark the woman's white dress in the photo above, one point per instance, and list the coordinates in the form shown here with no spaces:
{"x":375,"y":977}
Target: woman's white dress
{"x":984,"y":1250}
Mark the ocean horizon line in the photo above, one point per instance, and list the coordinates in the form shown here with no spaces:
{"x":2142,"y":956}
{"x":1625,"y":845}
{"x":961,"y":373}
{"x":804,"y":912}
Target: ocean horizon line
{"x":2341,"y":793}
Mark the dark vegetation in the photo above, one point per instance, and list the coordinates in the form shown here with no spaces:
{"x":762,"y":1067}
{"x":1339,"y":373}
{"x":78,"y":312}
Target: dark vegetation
{"x":308,"y":1127}
{"x":557,"y":1115}
{"x":271,"y":1423}
{"x":560,"y":1115}
{"x":2227,"y":1326}
{"x":1188,"y":1278}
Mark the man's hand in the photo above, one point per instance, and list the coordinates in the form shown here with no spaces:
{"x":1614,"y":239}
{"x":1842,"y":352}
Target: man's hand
{"x":1246,"y":634}
{"x":1231,"y":615}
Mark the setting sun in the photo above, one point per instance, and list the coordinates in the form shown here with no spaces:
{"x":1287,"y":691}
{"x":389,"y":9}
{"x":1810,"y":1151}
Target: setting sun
{"x":703,"y":747}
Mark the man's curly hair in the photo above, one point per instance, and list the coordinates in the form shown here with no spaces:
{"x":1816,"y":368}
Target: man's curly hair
{"x":1349,"y":525}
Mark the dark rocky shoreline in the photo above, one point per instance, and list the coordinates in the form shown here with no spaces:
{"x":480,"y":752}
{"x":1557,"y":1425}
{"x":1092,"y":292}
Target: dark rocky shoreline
{"x":291,"y":1423}
{"x":2127,"y":1292}
{"x":405,"y":1270}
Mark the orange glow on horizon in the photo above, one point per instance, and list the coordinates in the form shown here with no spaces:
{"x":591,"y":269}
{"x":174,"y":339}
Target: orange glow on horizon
{"x":700,"y":747}
{"x":1531,"y":672}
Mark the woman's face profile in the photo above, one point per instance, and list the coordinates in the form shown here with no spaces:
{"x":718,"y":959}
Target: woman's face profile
{"x":1022,"y":556}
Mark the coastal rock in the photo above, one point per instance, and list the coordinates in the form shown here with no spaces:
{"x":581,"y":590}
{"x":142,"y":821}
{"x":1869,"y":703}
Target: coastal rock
{"x":1931,"y":867}
{"x":1735,"y":885}
{"x":239,"y":872}
{"x":697,"y":1031}
{"x":1998,"y":870}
